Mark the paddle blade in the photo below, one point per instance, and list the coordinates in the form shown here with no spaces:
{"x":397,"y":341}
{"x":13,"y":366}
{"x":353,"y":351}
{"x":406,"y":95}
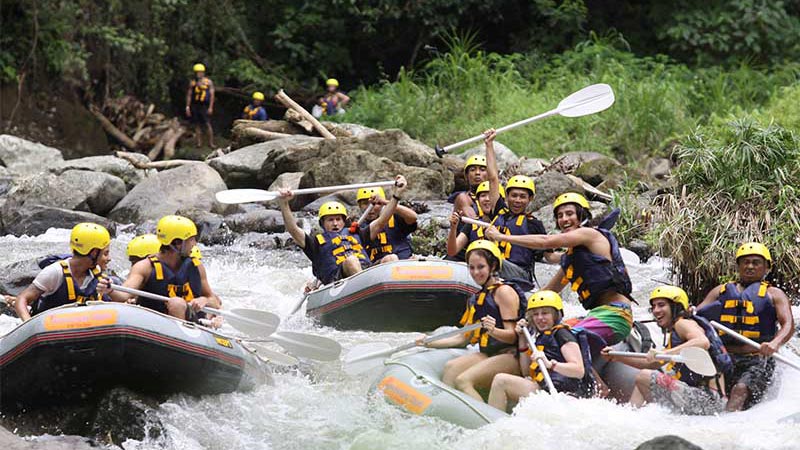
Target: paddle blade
{"x":235,"y":196}
{"x":698,"y":361}
{"x":366,"y":357}
{"x":252,"y":322}
{"x":589,"y":100}
{"x":308,"y":345}
{"x":272,"y":357}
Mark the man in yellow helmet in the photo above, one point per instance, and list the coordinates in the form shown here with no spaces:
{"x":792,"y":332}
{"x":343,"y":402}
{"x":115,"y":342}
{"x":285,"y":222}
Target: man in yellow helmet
{"x":200,"y":104}
{"x":254,"y":111}
{"x":753,"y":308}
{"x":338,"y":252}
{"x":394,"y":240}
{"x":70,"y":280}
{"x":171,"y":272}
{"x":333,"y":102}
{"x":465,"y":202}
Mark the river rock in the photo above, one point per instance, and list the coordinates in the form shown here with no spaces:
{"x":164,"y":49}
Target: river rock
{"x":642,"y":249}
{"x":106,"y":164}
{"x":18,"y":275}
{"x":599,"y":170}
{"x":242,"y":168}
{"x":505,"y":156}
{"x":455,"y":166}
{"x":550,"y":185}
{"x":79,"y":190}
{"x":10,"y":441}
{"x":570,"y":161}
{"x":348,"y":129}
{"x":341,"y":197}
{"x":212,"y":228}
{"x":191,"y":186}
{"x":292,"y":181}
{"x":659,"y":168}
{"x":668,"y":442}
{"x":123,"y":414}
{"x":258,"y":221}
{"x":532,"y":167}
{"x":23,"y":157}
{"x":33,"y":219}
{"x":392,"y":144}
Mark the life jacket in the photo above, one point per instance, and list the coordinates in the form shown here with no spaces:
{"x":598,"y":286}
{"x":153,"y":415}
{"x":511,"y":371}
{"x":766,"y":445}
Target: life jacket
{"x":68,"y":291}
{"x":251,"y":111}
{"x":593,"y":275}
{"x":516,"y":225}
{"x":334,"y":249}
{"x":750,"y":313}
{"x":546,"y":342}
{"x":482,"y":304}
{"x":331,"y":104}
{"x":200,"y":91}
{"x":185,"y":282}
{"x":717,"y":351}
{"x":390,"y":241}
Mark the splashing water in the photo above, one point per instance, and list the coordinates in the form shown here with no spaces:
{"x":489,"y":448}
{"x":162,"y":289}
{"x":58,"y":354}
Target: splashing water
{"x":319,"y":406}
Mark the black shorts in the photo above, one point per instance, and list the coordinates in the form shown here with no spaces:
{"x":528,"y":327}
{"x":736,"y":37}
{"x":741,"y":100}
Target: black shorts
{"x":755,"y":372}
{"x":199,"y":114}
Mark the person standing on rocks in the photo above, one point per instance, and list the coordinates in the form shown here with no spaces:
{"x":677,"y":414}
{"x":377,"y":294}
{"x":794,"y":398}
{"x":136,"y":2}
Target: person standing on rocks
{"x":338,"y":252}
{"x":753,"y":308}
{"x":171,"y":272}
{"x":71,"y":280}
{"x":254,"y":111}
{"x":393,"y":242}
{"x":200,"y":105}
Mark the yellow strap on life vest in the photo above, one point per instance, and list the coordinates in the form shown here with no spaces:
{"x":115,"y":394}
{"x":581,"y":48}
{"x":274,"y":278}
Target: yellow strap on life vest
{"x":320,"y":239}
{"x":197,"y":262}
{"x":751,"y":334}
{"x":158,"y":268}
{"x":723,"y":289}
{"x":382,"y":238}
{"x":570,"y":272}
{"x":520,"y":219}
{"x":68,"y":280}
{"x":731,"y":304}
{"x":727,"y":318}
{"x":391,"y":221}
{"x":762,"y":290}
{"x":481,"y":298}
{"x":577,"y":284}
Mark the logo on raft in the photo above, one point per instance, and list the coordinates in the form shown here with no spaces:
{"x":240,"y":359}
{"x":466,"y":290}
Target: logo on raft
{"x":404,"y":395}
{"x":422,"y":273}
{"x":83,"y":319}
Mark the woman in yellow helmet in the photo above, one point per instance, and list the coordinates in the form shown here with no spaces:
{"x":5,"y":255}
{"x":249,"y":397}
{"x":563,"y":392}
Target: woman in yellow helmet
{"x":255,"y":110}
{"x":200,"y":104}
{"x":497,"y":307}
{"x":565,"y":359}
{"x":70,"y":280}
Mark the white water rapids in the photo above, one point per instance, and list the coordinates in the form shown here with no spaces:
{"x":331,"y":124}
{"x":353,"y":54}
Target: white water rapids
{"x":321,"y":407}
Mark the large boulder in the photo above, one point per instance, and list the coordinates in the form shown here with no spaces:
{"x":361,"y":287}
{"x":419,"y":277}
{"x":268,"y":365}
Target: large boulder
{"x":505,"y":156}
{"x":669,"y":442}
{"x":256,"y":221}
{"x":658,"y":168}
{"x":569,"y":162}
{"x":348,"y":129}
{"x":32,"y":219}
{"x":9,"y":441}
{"x":17,"y":276}
{"x":393,"y":144}
{"x":292,"y":181}
{"x":241,"y":168}
{"x":107,"y":164}
{"x":455,"y":166}
{"x":22,"y":157}
{"x":531,"y":167}
{"x":602,"y":169}
{"x":550,"y":185}
{"x":188,"y":186}
{"x":79,"y":190}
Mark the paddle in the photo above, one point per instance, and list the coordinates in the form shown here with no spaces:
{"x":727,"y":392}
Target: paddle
{"x":589,"y":100}
{"x":532,"y":345}
{"x":234,"y":196}
{"x":695,"y":358}
{"x":365,"y":357}
{"x":479,"y":223}
{"x":273,"y":357}
{"x":752,"y":343}
{"x":305,"y":345}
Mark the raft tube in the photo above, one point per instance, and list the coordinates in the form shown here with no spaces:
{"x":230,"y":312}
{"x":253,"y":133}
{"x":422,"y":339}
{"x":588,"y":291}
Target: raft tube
{"x":409,"y":295}
{"x":413,"y":383}
{"x":75,"y":353}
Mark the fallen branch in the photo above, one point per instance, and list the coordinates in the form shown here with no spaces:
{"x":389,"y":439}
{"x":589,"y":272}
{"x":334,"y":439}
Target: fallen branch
{"x":169,"y":147}
{"x":138,"y":162}
{"x":286,"y":101}
{"x":109,"y":128}
{"x":589,"y":188}
{"x":261,"y":134}
{"x":156,"y":150}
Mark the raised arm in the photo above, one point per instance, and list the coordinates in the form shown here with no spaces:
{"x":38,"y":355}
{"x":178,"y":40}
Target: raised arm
{"x":289,"y":221}
{"x":343,"y":98}
{"x":581,"y":236}
{"x":380,"y":223}
{"x":407,"y":214}
{"x":455,"y":239}
{"x":493,"y":175}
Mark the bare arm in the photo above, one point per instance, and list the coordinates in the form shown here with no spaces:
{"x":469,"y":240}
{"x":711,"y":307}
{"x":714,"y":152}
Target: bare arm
{"x":639,"y":363}
{"x":189,"y":96}
{"x":711,"y":297}
{"x":573,"y":368}
{"x":508,"y":301}
{"x":463,"y":205}
{"x":692,"y":335}
{"x":407,"y":214}
{"x":25,"y":298}
{"x":455,"y":240}
{"x":491,"y":167}
{"x":212,"y":96}
{"x":343,"y":98}
{"x":140,"y":272}
{"x":380,"y":223}
{"x":289,"y":221}
{"x":581,"y":236}
{"x":785,"y":319}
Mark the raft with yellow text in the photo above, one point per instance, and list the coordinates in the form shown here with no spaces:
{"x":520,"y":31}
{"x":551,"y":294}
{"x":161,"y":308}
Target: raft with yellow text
{"x":409,"y":295}
{"x":75,"y":353}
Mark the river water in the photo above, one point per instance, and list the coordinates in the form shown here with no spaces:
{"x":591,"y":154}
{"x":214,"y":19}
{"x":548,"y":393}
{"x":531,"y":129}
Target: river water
{"x":320,"y":407}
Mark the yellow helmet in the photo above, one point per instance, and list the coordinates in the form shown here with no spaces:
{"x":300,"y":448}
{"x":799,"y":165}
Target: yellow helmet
{"x":258,"y":96}
{"x":484,"y":187}
{"x":199,"y":68}
{"x":143,"y":246}
{"x":570,"y":197}
{"x":87,"y":236}
{"x":754,"y":248}
{"x":332,"y":82}
{"x":475,"y":160}
{"x":671,"y":293}
{"x":170,"y":228}
{"x":367,"y":193}
{"x":196,"y":253}
{"x":544,"y":298}
{"x":483,"y":244}
{"x":332,"y":209}
{"x":521,"y":182}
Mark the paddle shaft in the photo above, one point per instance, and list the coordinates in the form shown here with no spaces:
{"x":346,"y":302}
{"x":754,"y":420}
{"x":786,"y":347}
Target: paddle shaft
{"x":752,"y":343}
{"x":160,"y":298}
{"x":343,"y":187}
{"x":658,"y":356}
{"x":410,"y":345}
{"x":532,"y":345}
{"x":480,"y":137}
{"x":479,"y":223}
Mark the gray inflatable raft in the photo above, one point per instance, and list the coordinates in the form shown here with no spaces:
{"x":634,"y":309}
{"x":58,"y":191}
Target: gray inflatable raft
{"x":413,"y":383}
{"x":74,"y":353}
{"x":399,"y":296}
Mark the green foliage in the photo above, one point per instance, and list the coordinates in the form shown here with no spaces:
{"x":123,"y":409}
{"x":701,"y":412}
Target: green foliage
{"x":739,"y":184}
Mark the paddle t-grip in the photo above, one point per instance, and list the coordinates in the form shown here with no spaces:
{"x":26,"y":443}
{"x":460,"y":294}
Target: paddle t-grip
{"x":440,"y":151}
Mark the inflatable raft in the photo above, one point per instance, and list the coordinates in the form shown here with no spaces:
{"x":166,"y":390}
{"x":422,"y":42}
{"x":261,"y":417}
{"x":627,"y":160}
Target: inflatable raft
{"x":399,"y":296}
{"x":413,"y":383}
{"x":76,"y":352}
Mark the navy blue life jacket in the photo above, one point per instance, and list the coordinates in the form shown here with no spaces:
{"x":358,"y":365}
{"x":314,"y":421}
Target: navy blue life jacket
{"x":334,"y":249}
{"x":185,"y":282}
{"x":517,"y":225}
{"x":391,"y":240}
{"x":719,"y":355}
{"x":68,"y":291}
{"x":592,"y":275}
{"x":750,"y":312}
{"x":546,"y":342}
{"x":482,"y":304}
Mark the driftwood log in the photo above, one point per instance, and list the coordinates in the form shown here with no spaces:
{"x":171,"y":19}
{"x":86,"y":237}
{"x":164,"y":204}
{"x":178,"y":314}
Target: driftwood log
{"x":112,"y":130}
{"x":137,"y":161}
{"x":138,"y":127}
{"x":286,"y":101}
